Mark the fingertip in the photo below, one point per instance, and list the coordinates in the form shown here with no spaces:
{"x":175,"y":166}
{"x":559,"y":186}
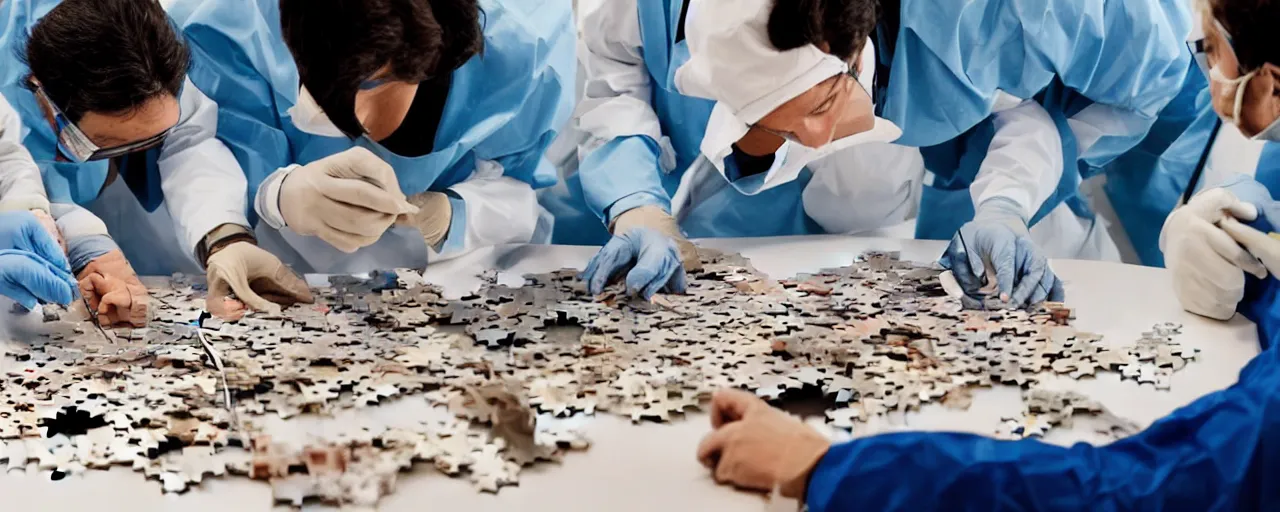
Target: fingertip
{"x":1058,"y":293}
{"x":679,"y":282}
{"x":407,"y":208}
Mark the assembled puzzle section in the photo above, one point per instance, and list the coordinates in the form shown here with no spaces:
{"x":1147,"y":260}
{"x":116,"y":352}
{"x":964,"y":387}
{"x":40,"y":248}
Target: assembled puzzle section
{"x":185,"y":399}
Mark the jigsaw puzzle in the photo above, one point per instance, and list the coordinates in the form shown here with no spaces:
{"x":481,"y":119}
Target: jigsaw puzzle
{"x":189,"y":397}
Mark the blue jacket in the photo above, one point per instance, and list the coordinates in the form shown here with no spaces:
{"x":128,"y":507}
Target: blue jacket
{"x":1222,"y":452}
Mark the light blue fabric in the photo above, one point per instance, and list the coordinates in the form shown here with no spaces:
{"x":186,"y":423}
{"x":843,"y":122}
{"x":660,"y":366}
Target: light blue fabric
{"x":1129,"y":54}
{"x":32,"y":266}
{"x":502,"y":105}
{"x":625,"y":173}
{"x":83,"y":250}
{"x":961,"y":54}
{"x":1145,"y":184}
{"x":1248,"y":190}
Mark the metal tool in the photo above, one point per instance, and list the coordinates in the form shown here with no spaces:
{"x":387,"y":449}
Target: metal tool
{"x":216,"y":357}
{"x":93,"y":317}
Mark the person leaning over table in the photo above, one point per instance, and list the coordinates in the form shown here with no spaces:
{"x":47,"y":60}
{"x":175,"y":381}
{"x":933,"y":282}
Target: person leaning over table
{"x":1221,"y":452}
{"x":657,"y":165}
{"x":382,"y":134}
{"x":114,"y":124}
{"x":33,"y":267}
{"x":1012,"y":109}
{"x":1217,"y":245}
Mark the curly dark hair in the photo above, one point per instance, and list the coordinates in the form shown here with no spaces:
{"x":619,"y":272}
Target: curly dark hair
{"x":1252,"y":25}
{"x":843,"y":25}
{"x":338,"y":44}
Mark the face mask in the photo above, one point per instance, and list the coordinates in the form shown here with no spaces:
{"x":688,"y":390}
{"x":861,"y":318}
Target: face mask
{"x":308,"y":117}
{"x":1271,"y":132}
{"x":724,"y":129}
{"x":794,"y":156}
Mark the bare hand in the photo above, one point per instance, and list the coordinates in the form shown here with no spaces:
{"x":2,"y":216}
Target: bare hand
{"x":757,"y":447}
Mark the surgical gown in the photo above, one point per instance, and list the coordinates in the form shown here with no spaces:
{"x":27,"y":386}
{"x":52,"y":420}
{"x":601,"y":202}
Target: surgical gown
{"x":1222,"y":452}
{"x":639,"y":138}
{"x":1074,"y":58}
{"x":503,"y":109}
{"x":159,"y":204}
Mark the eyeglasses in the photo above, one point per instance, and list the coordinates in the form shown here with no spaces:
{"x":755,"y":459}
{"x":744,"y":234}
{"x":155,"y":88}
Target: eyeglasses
{"x":1200,"y":52}
{"x":791,"y":137}
{"x":77,"y":147}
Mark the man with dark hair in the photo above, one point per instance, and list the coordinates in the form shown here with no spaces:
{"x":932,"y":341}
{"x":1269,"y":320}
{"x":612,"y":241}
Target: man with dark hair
{"x":384,"y":133}
{"x":101,"y":87}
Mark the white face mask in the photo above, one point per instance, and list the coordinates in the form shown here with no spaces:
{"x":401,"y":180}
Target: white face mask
{"x":724,"y":129}
{"x":308,"y":117}
{"x":1271,"y":132}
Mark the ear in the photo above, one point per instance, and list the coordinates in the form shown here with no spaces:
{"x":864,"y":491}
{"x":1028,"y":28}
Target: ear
{"x":1270,"y":73}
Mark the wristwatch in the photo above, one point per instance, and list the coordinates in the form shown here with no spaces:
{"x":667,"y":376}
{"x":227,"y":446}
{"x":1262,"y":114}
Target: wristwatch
{"x":220,"y":237}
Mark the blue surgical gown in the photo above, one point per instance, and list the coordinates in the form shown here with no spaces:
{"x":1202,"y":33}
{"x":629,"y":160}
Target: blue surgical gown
{"x":504,"y":108}
{"x":1222,"y":452}
{"x":942,"y":66}
{"x":628,"y":169}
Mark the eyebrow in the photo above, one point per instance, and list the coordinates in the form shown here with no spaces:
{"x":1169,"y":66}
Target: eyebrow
{"x":831,"y":94}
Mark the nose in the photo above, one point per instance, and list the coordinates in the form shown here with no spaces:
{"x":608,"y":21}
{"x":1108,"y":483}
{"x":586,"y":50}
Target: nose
{"x":817,"y":132}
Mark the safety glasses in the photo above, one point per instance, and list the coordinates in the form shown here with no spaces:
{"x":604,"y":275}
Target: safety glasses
{"x":1200,"y":51}
{"x":76,"y":147}
{"x":851,"y":75}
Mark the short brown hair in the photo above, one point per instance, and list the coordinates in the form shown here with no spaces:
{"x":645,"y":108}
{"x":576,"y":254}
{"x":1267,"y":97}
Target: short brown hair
{"x":1254,"y":26}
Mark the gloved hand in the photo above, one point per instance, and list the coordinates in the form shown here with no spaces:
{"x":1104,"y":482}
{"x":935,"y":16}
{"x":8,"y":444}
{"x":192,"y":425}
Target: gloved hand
{"x":29,"y":280}
{"x":432,"y":218}
{"x":998,"y":242}
{"x":756,"y":447}
{"x":258,"y":279}
{"x":1208,"y":266}
{"x":348,"y":199}
{"x":114,"y":291}
{"x":51,"y":227}
{"x":32,"y":266}
{"x":648,"y":245}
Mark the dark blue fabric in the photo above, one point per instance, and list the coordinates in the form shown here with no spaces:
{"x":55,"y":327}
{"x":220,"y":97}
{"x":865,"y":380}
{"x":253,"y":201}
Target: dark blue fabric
{"x":1260,"y":303}
{"x":1221,"y":453}
{"x":141,"y":172}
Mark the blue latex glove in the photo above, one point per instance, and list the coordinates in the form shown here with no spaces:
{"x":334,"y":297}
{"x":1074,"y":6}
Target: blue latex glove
{"x":1248,"y":190}
{"x":32,"y":266}
{"x":998,"y":235}
{"x":29,"y":279}
{"x":653,"y":260}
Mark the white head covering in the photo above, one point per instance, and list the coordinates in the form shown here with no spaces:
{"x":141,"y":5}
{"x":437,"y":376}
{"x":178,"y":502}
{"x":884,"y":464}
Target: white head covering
{"x":733,"y":62}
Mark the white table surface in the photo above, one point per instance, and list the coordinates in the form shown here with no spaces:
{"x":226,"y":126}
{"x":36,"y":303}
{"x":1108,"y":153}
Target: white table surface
{"x":651,"y":467}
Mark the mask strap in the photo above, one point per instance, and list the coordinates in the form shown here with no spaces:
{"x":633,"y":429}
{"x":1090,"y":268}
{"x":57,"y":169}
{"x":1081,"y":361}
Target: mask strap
{"x":1238,"y":108}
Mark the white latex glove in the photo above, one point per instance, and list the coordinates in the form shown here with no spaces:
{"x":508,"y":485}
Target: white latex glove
{"x":1261,"y":245}
{"x":1208,"y":265}
{"x":432,"y":218}
{"x":348,"y":199}
{"x":256,"y":277}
